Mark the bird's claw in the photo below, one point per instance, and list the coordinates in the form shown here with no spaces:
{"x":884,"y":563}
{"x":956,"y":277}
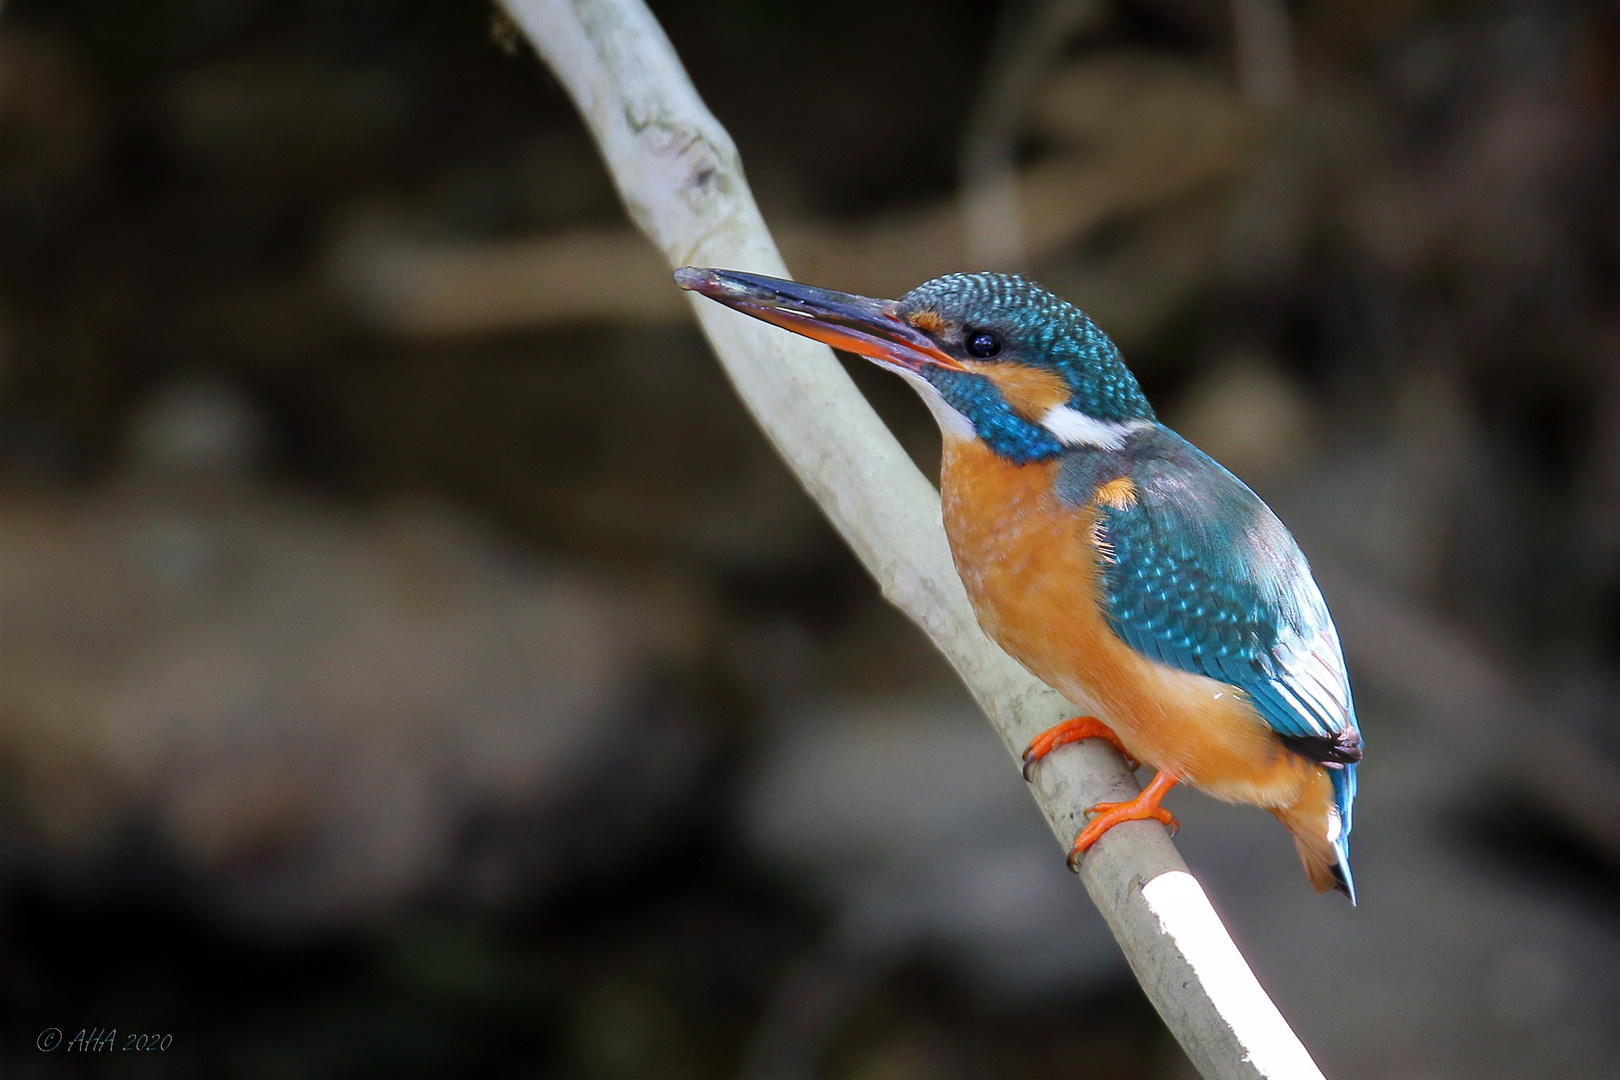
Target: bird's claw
{"x":1158,"y":813}
{"x":1106,"y":815}
{"x":1082,"y":843}
{"x":1072,"y":730}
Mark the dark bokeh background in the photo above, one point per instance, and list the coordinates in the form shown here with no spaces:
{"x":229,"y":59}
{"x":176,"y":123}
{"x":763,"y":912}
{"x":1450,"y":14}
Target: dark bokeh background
{"x":414,"y":662}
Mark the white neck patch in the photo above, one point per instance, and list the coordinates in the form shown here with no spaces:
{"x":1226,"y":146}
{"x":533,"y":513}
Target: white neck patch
{"x":1074,"y":428}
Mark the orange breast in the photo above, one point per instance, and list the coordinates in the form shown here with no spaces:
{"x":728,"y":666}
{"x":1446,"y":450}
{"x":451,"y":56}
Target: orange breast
{"x":1032,"y":570}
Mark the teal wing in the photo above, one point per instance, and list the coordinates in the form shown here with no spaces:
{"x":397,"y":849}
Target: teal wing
{"x":1199,"y":574}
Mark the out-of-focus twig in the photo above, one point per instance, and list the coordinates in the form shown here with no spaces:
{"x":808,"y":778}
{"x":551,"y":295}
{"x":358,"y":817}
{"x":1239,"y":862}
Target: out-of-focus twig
{"x":1150,"y":136}
{"x":1030,"y":39}
{"x":682,"y":183}
{"x":1265,"y":51}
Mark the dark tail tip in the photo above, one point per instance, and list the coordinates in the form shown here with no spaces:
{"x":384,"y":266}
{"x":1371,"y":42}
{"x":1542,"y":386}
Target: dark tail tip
{"x":1341,"y":883}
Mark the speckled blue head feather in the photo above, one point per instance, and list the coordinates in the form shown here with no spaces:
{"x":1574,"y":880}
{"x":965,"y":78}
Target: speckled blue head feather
{"x":1037,"y":329}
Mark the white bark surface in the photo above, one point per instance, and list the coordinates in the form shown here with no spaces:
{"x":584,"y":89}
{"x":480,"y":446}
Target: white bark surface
{"x":681,"y":180}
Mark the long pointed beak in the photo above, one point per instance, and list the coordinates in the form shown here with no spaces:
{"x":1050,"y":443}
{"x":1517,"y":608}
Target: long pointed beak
{"x":872,"y":328}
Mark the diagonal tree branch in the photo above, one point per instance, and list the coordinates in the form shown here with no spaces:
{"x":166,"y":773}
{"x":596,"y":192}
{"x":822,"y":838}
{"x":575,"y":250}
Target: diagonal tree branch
{"x":682,"y":182}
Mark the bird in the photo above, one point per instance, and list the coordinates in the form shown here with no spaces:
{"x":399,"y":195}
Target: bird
{"x":1112,"y":558}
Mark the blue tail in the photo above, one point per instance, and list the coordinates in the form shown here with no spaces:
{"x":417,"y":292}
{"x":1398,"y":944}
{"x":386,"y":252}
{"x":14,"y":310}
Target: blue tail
{"x":1344,"y":794}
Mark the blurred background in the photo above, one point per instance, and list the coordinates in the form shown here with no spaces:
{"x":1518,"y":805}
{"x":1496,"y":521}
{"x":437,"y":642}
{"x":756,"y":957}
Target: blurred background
{"x":413,"y":662}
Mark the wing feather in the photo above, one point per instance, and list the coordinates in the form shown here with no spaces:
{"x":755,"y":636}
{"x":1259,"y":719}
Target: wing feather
{"x":1204,"y":578}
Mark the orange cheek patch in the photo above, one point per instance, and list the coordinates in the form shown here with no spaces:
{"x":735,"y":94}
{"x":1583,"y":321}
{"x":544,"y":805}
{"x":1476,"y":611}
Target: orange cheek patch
{"x":1031,"y":392}
{"x":928,"y":322}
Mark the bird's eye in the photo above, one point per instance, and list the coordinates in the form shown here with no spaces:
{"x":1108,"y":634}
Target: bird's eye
{"x":982,"y":344}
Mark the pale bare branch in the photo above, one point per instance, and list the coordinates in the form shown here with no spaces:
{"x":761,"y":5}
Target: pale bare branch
{"x":682,"y":182}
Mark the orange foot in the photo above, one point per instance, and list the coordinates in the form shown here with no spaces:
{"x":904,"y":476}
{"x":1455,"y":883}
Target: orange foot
{"x":1143,"y":807}
{"x":1081,"y":727}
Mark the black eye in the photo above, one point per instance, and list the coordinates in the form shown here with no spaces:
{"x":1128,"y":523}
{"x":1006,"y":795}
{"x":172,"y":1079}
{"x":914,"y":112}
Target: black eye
{"x":982,"y":344}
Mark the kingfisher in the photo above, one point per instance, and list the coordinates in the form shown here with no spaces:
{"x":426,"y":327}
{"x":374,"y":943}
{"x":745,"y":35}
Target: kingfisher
{"x":1117,"y":562}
